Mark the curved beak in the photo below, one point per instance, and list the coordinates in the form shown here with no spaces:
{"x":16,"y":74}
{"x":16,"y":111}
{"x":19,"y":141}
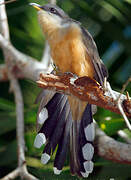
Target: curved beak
{"x":36,"y":6}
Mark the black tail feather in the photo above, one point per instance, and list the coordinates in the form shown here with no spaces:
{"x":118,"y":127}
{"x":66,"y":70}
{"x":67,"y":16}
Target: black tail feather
{"x":59,"y":129}
{"x":54,"y":108}
{"x":82,"y":142}
{"x":63,"y":144}
{"x":57,"y":132}
{"x":74,"y":144}
{"x":47,"y":148}
{"x":44,"y":97}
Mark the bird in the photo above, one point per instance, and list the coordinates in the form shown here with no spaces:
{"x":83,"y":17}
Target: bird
{"x":66,"y":121}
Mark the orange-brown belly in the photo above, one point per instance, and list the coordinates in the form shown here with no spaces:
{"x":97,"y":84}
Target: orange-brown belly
{"x":70,"y":56}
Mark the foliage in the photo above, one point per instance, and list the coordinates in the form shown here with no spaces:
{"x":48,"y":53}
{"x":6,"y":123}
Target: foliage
{"x":109,"y":23}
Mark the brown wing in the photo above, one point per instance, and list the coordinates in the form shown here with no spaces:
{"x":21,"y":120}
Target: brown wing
{"x":99,"y":67}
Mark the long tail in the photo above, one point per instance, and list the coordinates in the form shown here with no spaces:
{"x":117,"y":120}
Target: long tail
{"x":81,"y":144}
{"x":60,"y":130}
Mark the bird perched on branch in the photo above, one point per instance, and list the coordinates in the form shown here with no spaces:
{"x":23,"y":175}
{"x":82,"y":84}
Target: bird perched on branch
{"x":67,"y":122}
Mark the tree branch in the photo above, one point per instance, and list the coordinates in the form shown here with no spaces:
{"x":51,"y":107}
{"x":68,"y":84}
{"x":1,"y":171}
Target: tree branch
{"x":26,"y":65}
{"x":7,"y":2}
{"x":14,"y":85}
{"x":111,"y":149}
{"x":85,"y":89}
{"x":124,"y":136}
{"x":52,"y":1}
{"x":20,"y":120}
{"x":12,"y":175}
{"x":20,"y":170}
{"x":3,"y":73}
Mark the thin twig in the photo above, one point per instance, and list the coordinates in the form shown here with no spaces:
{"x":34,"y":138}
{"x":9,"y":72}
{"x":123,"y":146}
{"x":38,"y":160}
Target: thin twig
{"x":128,"y":97}
{"x":124,"y":87}
{"x":29,"y":67}
{"x":3,"y":73}
{"x":52,"y":1}
{"x":19,"y":170}
{"x":14,"y":85}
{"x":124,"y":136}
{"x":124,"y":115}
{"x":7,"y":2}
{"x":12,"y":175}
{"x":119,"y":104}
{"x":25,"y":174}
{"x":20,"y":120}
{"x":3,"y":22}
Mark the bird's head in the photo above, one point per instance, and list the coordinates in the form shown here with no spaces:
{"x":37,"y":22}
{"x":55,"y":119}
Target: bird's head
{"x":50,"y":15}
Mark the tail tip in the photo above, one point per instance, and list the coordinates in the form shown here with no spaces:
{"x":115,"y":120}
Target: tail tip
{"x":45,"y":158}
{"x":88,"y":166}
{"x":39,"y":140}
{"x":85,"y":174}
{"x":56,"y":171}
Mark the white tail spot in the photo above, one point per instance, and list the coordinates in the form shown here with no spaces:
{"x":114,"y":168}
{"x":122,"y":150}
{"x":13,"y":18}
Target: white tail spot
{"x":85,"y":174}
{"x":57,"y":171}
{"x":88,"y":151}
{"x":90,"y":132}
{"x":88,"y":165}
{"x":39,"y":140}
{"x":43,"y":115}
{"x":45,"y":158}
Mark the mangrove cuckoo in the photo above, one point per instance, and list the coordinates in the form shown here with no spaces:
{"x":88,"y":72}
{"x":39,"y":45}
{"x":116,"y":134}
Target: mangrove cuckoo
{"x":66,"y":121}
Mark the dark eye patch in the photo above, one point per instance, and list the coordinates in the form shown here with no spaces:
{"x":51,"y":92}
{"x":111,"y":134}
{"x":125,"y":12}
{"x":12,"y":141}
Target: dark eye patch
{"x":52,"y":10}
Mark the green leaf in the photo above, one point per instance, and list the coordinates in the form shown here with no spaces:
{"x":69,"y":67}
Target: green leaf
{"x":30,"y":116}
{"x":112,"y":126}
{"x":114,"y":11}
{"x":7,"y":123}
{"x":6,"y":105}
{"x":8,"y":154}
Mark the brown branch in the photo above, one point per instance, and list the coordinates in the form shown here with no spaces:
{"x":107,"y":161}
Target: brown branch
{"x":85,"y":89}
{"x":20,"y":120}
{"x":124,"y":87}
{"x":27,"y":66}
{"x":20,"y":170}
{"x":7,"y":2}
{"x":4,"y":73}
{"x":111,"y":149}
{"x":12,"y":175}
{"x":52,"y":1}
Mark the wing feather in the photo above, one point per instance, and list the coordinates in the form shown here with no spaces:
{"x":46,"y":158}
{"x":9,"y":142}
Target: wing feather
{"x":99,"y":67}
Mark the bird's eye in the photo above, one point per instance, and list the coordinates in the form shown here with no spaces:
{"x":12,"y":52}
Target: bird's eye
{"x":52,"y":10}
